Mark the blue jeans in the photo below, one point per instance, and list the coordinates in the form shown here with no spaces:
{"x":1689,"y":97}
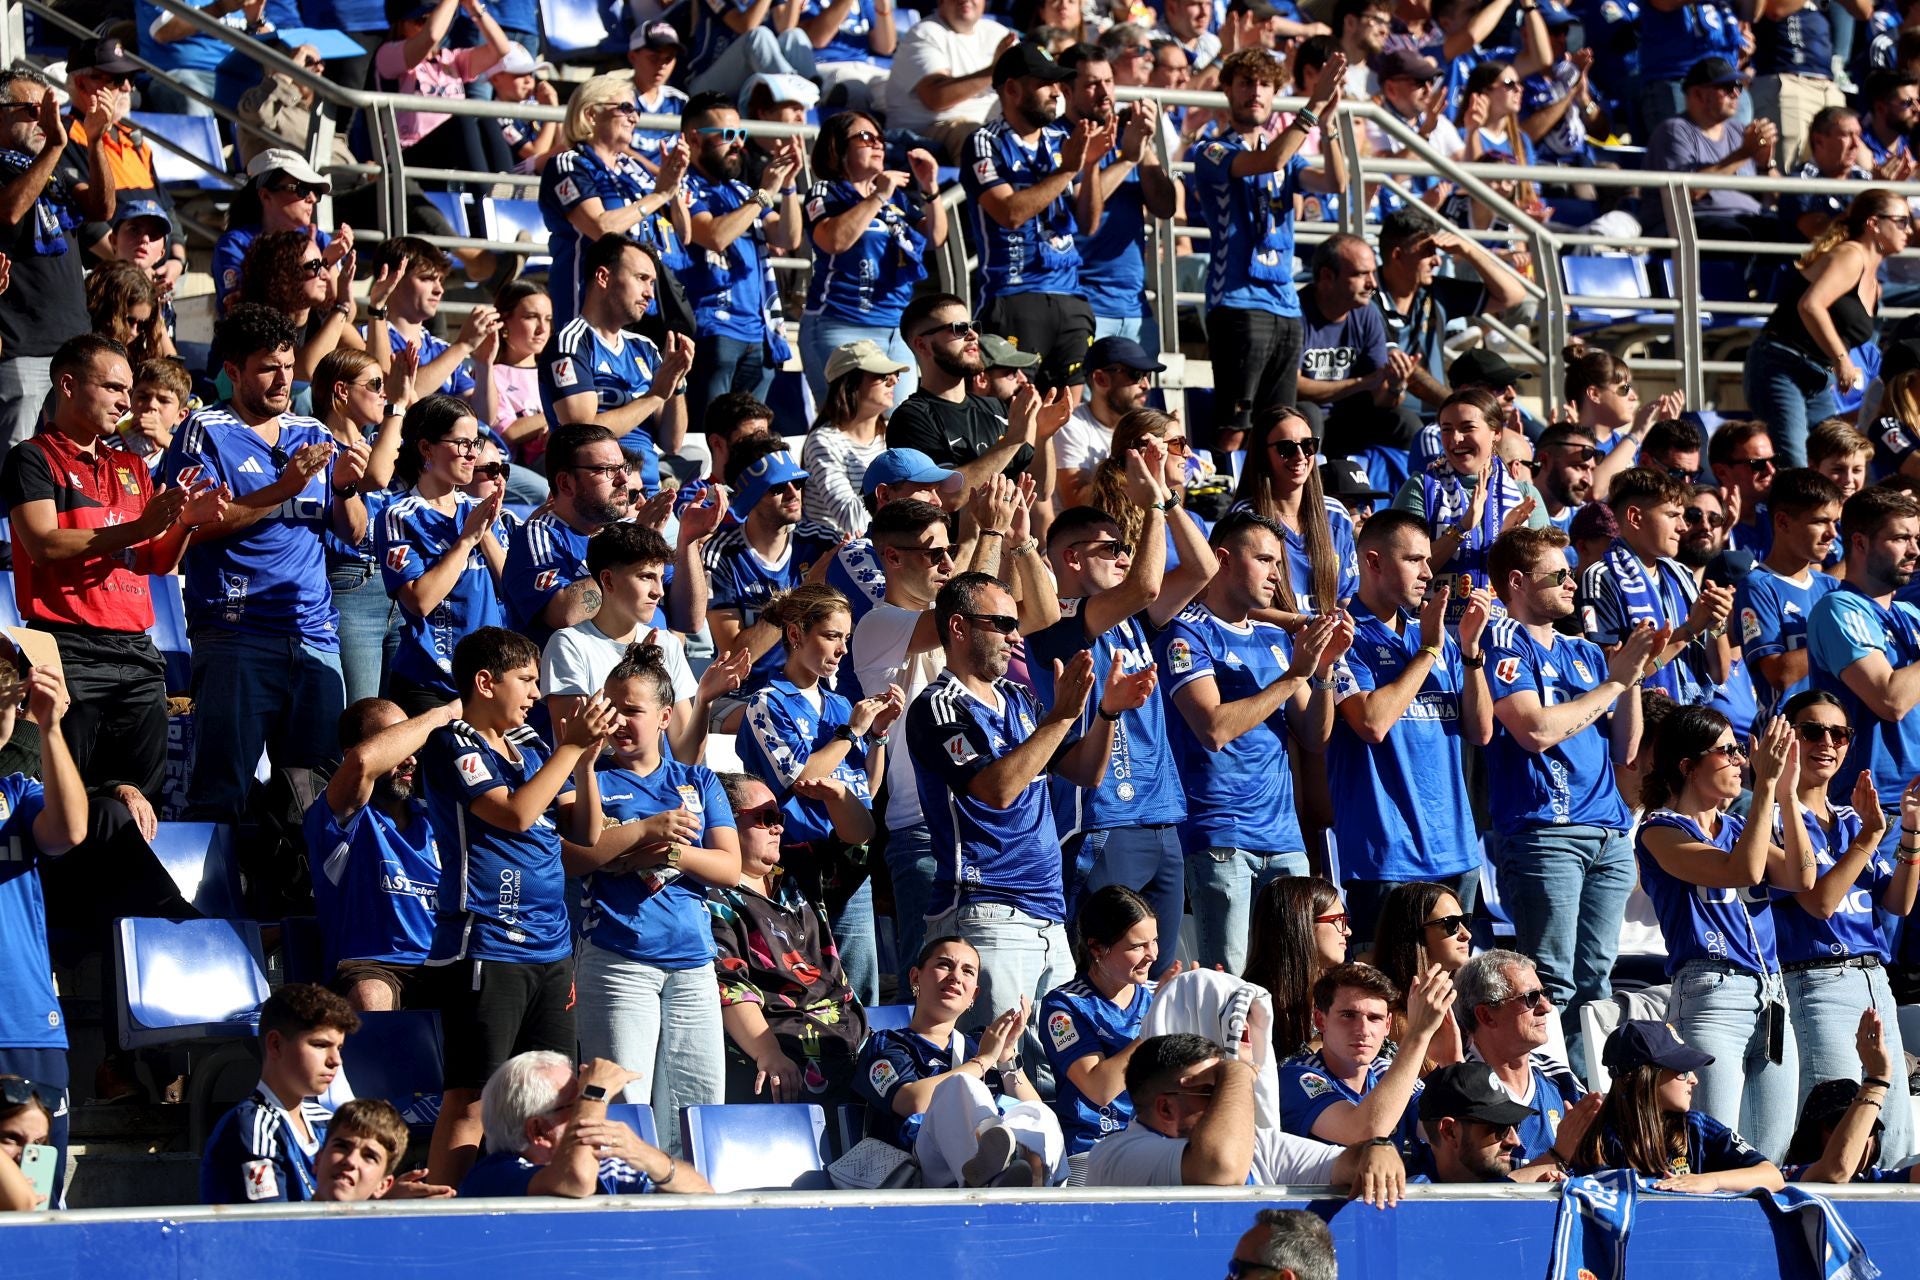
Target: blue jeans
{"x":758,"y":51}
{"x":524,"y":484}
{"x":1788,"y":390}
{"x":1141,"y":329}
{"x":369,"y":628}
{"x":1826,"y":1005}
{"x":1566,"y":889}
{"x":662,"y":1024}
{"x":909,"y":855}
{"x":859,"y":949}
{"x":1145,"y":859}
{"x":721,"y":365}
{"x":1720,"y":1011}
{"x":253,"y":693}
{"x":819,"y":336}
{"x":1020,"y":955}
{"x":1221,"y":887}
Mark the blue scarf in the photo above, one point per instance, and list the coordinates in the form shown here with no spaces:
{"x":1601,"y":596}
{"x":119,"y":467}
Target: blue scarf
{"x":1596,"y":1213}
{"x":1445,"y":495}
{"x":1645,"y":601}
{"x":51,"y":217}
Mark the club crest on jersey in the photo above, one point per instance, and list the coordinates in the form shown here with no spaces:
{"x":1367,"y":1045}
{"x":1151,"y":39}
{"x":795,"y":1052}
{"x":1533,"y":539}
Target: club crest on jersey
{"x":690,"y":799}
{"x":397,"y":558}
{"x":959,"y":750}
{"x":1580,"y":669}
{"x":128,"y":484}
{"x":1060,"y":1029}
{"x":473,"y":769}
{"x":1179,"y":657}
{"x":1507,"y":669}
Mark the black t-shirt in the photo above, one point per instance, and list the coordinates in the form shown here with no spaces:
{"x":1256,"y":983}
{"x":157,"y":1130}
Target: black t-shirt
{"x":949,"y":433}
{"x":47,"y":302}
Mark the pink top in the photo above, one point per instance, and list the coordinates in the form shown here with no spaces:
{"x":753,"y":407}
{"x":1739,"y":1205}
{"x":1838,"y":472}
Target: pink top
{"x":516,"y":393}
{"x":444,"y":73}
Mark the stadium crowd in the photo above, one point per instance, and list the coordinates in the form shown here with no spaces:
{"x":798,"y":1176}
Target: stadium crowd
{"x":531,"y":655}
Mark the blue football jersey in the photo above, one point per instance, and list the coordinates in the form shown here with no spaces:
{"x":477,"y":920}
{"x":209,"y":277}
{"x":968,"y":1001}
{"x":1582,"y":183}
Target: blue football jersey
{"x":1250,"y":263}
{"x":30,"y":1016}
{"x":739,"y":579}
{"x":499,"y":1174}
{"x":1040,"y":255}
{"x":1699,"y":922}
{"x":1854,"y":928}
{"x":570,"y":179}
{"x":545,"y":556}
{"x":872,"y":280}
{"x":1771,"y":611}
{"x":731,"y":290}
{"x":617,"y":371}
{"x":376,"y":884}
{"x":1076,"y":1020}
{"x":656,"y":915}
{"x":780,"y":731}
{"x":415,"y":536}
{"x":1846,"y":626}
{"x":897,"y":1056}
{"x":254,"y":1156}
{"x":1308,"y":1088}
{"x":1572,"y":781}
{"x":1113,"y":262}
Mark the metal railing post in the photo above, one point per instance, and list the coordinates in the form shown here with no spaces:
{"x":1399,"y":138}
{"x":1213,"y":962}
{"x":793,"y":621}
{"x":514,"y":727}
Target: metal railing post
{"x":1677,"y":201}
{"x":319,"y":151}
{"x":1353,"y":201}
{"x":385,"y":132}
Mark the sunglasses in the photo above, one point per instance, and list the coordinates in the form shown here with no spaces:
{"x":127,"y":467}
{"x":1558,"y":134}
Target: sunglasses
{"x":943,"y":554}
{"x":1509,"y":84}
{"x":1532,"y":465}
{"x":1177,"y":444}
{"x":1697,"y":516}
{"x":1555,"y":577}
{"x":1003,"y":623}
{"x":1125,"y":373}
{"x":1449,"y":924}
{"x":866,"y":137}
{"x":303,"y":190}
{"x":1733,"y":751}
{"x":1339,"y":920}
{"x":1238,"y":1270}
{"x":18,"y":1091}
{"x":490,"y":471}
{"x":1296,"y":448}
{"x":627,"y":109}
{"x":1580,"y":453}
{"x":959,"y":329}
{"x":1838,"y":734}
{"x":767,"y":815}
{"x":1897,"y":219}
{"x":725,"y":135}
{"x":376,"y":383}
{"x":1106,"y":548}
{"x":313,"y":268}
{"x":313,"y":64}
{"x":1535,"y":999}
{"x":797,"y":486}
{"x":1756,"y":464}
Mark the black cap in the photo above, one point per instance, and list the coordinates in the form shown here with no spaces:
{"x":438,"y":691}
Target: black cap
{"x":1648,"y":1042}
{"x":1347,"y":480}
{"x":1712,"y":71}
{"x":1898,"y":357}
{"x":104,"y":54}
{"x":1470,"y":1091}
{"x":1483,"y":368}
{"x":1026,"y":59}
{"x":1405,"y":64}
{"x":1124,"y":352}
{"x":1828,"y":1101}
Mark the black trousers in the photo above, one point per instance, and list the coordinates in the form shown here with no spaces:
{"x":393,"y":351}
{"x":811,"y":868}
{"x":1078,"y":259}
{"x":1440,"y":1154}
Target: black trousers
{"x":1256,"y":365}
{"x":117,"y":725}
{"x":1056,"y":326}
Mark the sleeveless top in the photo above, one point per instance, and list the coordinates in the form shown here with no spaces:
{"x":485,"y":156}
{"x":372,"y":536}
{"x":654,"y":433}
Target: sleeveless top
{"x":1848,"y":313}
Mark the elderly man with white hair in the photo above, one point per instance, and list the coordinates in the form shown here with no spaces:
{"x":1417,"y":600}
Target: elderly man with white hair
{"x":548,"y":1135}
{"x":1506,"y":1017}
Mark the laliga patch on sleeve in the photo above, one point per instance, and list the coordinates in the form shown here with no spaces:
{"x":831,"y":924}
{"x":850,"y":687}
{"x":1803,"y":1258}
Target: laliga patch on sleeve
{"x":567,"y":190}
{"x":983,"y":171}
{"x":882,"y":1077}
{"x":959,"y":750}
{"x":397,"y":558}
{"x":1179,"y":657}
{"x":1895,"y":439}
{"x":1060,"y":1029}
{"x":473,"y":769}
{"x":545,"y":579}
{"x":564,"y":374}
{"x":1312,"y":1085}
{"x":1749,"y":625}
{"x":816,"y":208}
{"x":1507,"y":670}
{"x":262,"y":1182}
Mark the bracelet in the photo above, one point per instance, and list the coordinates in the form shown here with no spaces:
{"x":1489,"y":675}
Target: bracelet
{"x":1024,"y":548}
{"x":1474,"y":663}
{"x":1875,"y":1080}
{"x":1320,"y":686}
{"x":993,"y":533}
{"x":1378,"y":1142}
{"x":673,"y":1168}
{"x":1173,"y":500}
{"x":1909,"y":831}
{"x":1109,"y":716}
{"x":1307,"y":114}
{"x":344,"y":308}
{"x":985,"y":1066}
{"x":376,"y":313}
{"x":879,"y":739}
{"x":1432,"y":649}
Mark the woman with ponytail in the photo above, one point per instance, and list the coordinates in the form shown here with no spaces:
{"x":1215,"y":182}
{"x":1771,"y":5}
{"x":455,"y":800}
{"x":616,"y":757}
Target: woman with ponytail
{"x":1826,"y":308}
{"x":1710,"y":876}
{"x":1896,"y":432}
{"x":648,"y":991}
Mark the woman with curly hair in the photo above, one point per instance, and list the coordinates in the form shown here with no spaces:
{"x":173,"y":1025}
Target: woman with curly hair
{"x":287,"y":271}
{"x":124,"y":306}
{"x":1108,"y":491}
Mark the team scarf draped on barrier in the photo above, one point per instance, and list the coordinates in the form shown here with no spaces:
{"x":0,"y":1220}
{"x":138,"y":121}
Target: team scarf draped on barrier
{"x":1596,"y":1214}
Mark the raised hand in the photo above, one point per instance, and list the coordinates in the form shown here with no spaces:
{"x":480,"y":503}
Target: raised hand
{"x":992,"y":504}
{"x":701,"y":518}
{"x":1770,"y":750}
{"x":480,"y":520}
{"x":1128,"y":691}
{"x":308,"y":461}
{"x":817,"y":571}
{"x":1712,"y":609}
{"x":1871,"y":1043}
{"x":1430,"y":1000}
{"x":1629,"y":662}
{"x":1071,"y":685}
{"x":350,"y":463}
{"x":1329,"y":82}
{"x":673,"y":166}
{"x":925,"y":169}
{"x":588,"y":726}
{"x":1473,"y":622}
{"x":724,"y":675}
{"x":1522,"y":511}
{"x":1433,"y":614}
{"x":47,"y":696}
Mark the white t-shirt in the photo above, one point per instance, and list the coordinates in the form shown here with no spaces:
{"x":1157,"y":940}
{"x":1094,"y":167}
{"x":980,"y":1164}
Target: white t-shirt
{"x":1082,"y":444}
{"x":578,"y":659}
{"x":880,"y":658}
{"x":1445,"y":139}
{"x":1139,"y":1157}
{"x":932,"y":48}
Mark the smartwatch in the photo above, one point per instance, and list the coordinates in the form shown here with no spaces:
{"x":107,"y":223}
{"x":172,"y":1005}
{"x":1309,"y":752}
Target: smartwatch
{"x":593,"y":1093}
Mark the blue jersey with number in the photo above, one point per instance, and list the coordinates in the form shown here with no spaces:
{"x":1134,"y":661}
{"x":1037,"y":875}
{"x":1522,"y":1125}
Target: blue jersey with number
{"x":872,"y":280}
{"x":1771,"y":611}
{"x":617,"y":371}
{"x":1250,"y":219}
{"x":780,"y":731}
{"x":30,"y":1016}
{"x":414,"y":537}
{"x":983,"y":854}
{"x":656,"y":915}
{"x":1572,"y":781}
{"x":503,"y":895}
{"x":270,"y":578}
{"x":1076,"y":1020}
{"x":376,"y":884}
{"x":1113,"y":260}
{"x":1853,"y":929}
{"x":739,"y":579}
{"x":1308,"y":1088}
{"x":1040,"y":255}
{"x":1845,"y":627}
{"x":1141,"y":786}
{"x":545,"y":556}
{"x":1733,"y":926}
{"x":1241,"y":796}
{"x":1400,"y":805}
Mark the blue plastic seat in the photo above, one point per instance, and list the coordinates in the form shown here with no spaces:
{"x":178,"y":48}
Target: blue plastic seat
{"x":574,"y":28}
{"x":506,"y":219}
{"x":888,"y":1017}
{"x":200,"y":858}
{"x":396,"y":1055}
{"x":198,"y":136}
{"x":454,"y":205}
{"x":637,"y":1116}
{"x":183,"y":980}
{"x":9,"y":607}
{"x":772,"y":1146}
{"x":169,"y":630}
{"x":1609,"y":275}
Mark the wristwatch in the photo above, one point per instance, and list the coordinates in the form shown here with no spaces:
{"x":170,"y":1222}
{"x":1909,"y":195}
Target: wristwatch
{"x":345,"y":491}
{"x":395,"y":410}
{"x":766,"y":199}
{"x":845,"y":733}
{"x":593,"y":1093}
{"x":376,"y":313}
{"x":673,"y":856}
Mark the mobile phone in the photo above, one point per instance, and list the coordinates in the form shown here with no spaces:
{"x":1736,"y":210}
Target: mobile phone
{"x":37,"y":1162}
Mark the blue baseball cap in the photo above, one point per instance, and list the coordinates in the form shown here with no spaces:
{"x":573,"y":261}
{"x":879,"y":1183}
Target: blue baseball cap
{"x":758,"y":480}
{"x":128,"y":210}
{"x":903,"y":466}
{"x":1648,"y":1041}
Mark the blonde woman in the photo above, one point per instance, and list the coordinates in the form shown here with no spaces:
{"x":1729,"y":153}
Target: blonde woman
{"x":1826,"y":307}
{"x":1109,"y":488}
{"x":598,"y":187}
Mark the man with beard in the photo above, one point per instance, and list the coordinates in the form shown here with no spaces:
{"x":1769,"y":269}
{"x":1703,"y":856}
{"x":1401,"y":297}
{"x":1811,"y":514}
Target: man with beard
{"x":1362,"y":27}
{"x":1411,"y":294}
{"x":597,"y":372}
{"x":1705,"y":535}
{"x":1638,"y":581}
{"x":982,"y":753}
{"x":1673,"y":445}
{"x":1032,"y":188}
{"x":1865,"y":640}
{"x":376,"y":865}
{"x":958,"y":431}
{"x":1246,"y":184}
{"x":1567,"y":455}
{"x":1472,"y":1127}
{"x":1134,"y":184}
{"x":266,"y":644}
{"x":546,"y":582}
{"x":1120,"y":370}
{"x":736,"y":230}
{"x":1774,"y":601}
{"x":1347,"y":371}
{"x":1560,"y":827}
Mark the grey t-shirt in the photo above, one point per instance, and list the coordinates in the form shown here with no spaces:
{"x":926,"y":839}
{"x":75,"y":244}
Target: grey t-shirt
{"x":1681,"y":146}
